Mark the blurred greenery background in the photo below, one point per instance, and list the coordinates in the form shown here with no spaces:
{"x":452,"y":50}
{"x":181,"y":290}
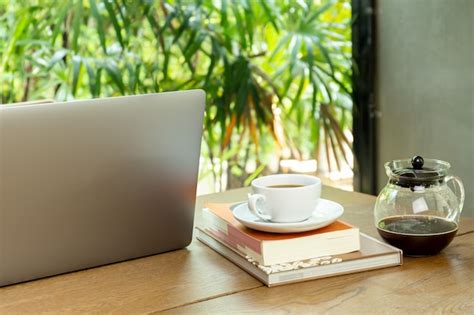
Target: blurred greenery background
{"x":277,"y":72}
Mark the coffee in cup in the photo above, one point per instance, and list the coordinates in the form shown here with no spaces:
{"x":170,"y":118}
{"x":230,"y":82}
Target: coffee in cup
{"x":284,"y":198}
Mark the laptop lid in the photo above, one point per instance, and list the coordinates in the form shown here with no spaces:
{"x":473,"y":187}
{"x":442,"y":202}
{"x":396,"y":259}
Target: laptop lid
{"x":92,"y":182}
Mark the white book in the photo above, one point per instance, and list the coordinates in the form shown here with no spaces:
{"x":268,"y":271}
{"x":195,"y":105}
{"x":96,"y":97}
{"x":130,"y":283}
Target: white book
{"x":373,"y":254}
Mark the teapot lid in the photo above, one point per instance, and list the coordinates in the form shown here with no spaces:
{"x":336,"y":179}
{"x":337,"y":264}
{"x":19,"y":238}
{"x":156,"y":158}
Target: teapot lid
{"x":416,"y":171}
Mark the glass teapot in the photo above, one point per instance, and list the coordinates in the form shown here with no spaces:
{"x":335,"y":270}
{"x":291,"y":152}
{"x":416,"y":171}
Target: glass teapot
{"x":417,"y":211}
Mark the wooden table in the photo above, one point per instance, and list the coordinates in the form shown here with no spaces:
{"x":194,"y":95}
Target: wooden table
{"x":198,"y":280}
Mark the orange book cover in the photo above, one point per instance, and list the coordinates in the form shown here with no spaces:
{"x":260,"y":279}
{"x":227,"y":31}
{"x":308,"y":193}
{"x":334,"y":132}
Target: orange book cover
{"x":223,"y":210}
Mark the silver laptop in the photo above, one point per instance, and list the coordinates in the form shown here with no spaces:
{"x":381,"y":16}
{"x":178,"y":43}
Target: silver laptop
{"x":92,"y":182}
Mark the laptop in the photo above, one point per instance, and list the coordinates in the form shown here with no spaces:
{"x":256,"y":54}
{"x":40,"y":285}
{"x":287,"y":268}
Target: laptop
{"x":92,"y":182}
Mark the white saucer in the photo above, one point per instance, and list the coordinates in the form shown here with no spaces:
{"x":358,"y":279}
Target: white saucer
{"x":326,"y":213}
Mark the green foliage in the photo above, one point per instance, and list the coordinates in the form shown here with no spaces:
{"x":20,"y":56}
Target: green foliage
{"x":277,"y":73}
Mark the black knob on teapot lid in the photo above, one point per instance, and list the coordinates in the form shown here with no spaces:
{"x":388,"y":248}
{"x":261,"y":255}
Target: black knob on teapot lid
{"x":417,"y":162}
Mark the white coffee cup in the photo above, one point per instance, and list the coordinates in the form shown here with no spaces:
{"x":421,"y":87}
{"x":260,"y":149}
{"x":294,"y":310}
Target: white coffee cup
{"x":284,"y":198}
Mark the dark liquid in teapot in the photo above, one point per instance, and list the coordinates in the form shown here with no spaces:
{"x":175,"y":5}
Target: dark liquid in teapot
{"x":417,"y":235}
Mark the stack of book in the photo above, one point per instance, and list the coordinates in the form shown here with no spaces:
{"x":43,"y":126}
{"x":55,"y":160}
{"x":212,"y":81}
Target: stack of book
{"x":275,"y":259}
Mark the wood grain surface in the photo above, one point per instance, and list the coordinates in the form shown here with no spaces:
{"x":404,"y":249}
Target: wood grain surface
{"x":137,"y":286}
{"x":198,"y":280}
{"x":443,"y":283}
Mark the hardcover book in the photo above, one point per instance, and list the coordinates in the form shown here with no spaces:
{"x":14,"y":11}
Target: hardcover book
{"x":373,"y":254}
{"x":272,"y":248}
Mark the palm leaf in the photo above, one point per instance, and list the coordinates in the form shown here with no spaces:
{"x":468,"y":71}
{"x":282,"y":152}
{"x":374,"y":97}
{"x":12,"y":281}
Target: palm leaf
{"x":92,"y":78}
{"x":76,"y":24}
{"x":115,"y":74}
{"x":115,"y":22}
{"x":100,"y":25}
{"x":228,"y":131}
{"x":58,"y":22}
{"x":76,"y":73}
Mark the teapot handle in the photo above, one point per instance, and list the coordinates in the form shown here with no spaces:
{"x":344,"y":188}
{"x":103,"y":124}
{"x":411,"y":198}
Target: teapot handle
{"x":459,"y":191}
